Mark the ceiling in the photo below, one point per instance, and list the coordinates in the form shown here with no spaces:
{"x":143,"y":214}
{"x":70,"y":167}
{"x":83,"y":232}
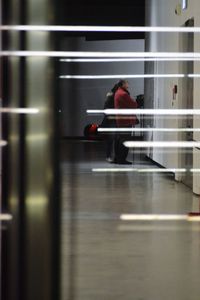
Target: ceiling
{"x":103,"y":12}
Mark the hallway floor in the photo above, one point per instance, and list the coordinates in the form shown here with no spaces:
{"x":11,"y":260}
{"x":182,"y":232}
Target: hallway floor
{"x":106,"y":258}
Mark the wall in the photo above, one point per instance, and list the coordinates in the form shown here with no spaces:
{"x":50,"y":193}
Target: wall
{"x":162,"y":13}
{"x":90,"y":94}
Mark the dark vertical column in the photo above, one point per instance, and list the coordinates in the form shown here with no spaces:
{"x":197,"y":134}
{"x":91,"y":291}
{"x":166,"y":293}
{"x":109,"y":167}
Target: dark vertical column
{"x":73,"y":232}
{"x":22,"y":281}
{"x":31,"y":189}
{"x":6,"y":84}
{"x":70,"y":236}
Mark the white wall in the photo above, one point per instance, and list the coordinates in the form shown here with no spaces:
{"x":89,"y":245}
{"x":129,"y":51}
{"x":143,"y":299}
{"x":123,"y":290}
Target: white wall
{"x":162,"y":13}
{"x":91,"y":94}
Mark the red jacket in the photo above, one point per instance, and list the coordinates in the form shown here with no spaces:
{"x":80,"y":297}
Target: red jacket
{"x":124,"y":101}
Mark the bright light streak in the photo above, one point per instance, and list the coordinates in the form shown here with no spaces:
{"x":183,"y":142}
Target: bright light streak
{"x":19,"y":110}
{"x":157,"y":170}
{"x":145,"y":170}
{"x":104,"y":129}
{"x":194,"y":75}
{"x":121,"y":76}
{"x":195,"y":170}
{"x":153,"y":217}
{"x":3,"y":143}
{"x":170,"y":144}
{"x":158,"y":217}
{"x":144,"y":111}
{"x":173,"y":170}
{"x":101,"y":170}
{"x":5,"y":217}
{"x":82,"y":54}
{"x":123,"y":59}
{"x":194,"y":219}
{"x":99,"y":28}
{"x":100,"y":59}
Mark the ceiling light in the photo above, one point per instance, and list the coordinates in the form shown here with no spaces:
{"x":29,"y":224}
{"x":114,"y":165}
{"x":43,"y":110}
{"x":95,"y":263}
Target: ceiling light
{"x":3,"y":143}
{"x":138,"y":59}
{"x":5,"y":217}
{"x":19,"y":110}
{"x":134,"y":129}
{"x":144,"y":111}
{"x":84,"y":54}
{"x":121,"y":76}
{"x":170,"y":144}
{"x":158,"y":217}
{"x":79,"y":28}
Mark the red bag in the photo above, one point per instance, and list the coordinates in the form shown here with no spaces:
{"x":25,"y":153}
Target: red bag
{"x":90,"y":131}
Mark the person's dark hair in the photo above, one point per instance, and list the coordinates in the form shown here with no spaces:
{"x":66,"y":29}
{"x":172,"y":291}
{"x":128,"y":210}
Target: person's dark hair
{"x":115,"y":88}
{"x":121,"y":82}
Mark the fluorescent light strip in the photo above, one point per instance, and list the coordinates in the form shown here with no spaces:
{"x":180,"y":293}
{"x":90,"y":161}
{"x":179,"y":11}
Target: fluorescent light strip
{"x":181,"y":170}
{"x":122,"y":76}
{"x":99,"y":59}
{"x":170,"y":144}
{"x":117,"y":170}
{"x":195,"y":170}
{"x":157,"y":217}
{"x":123,"y":59}
{"x":144,"y":111}
{"x":153,"y":217}
{"x":193,"y":75}
{"x":145,"y":170}
{"x":166,"y":55}
{"x":19,"y":110}
{"x":148,"y":129}
{"x":5,"y":217}
{"x":3,"y":143}
{"x":156,"y":170}
{"x":99,"y":28}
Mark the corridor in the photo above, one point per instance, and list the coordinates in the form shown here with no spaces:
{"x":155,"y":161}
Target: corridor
{"x":73,"y":226}
{"x":104,"y":257}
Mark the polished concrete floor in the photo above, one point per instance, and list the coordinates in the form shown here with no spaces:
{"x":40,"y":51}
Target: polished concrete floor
{"x":105,"y":258}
